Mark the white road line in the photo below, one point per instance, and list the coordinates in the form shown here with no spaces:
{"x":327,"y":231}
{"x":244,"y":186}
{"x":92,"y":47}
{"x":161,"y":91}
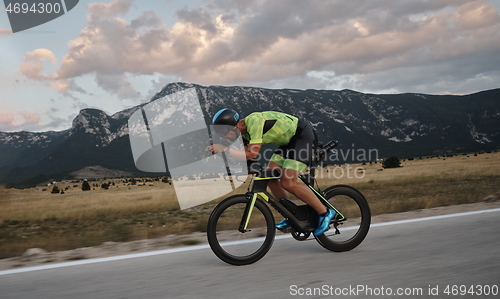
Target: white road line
{"x":103,"y":259}
{"x":435,"y":217}
{"x":190,"y":248}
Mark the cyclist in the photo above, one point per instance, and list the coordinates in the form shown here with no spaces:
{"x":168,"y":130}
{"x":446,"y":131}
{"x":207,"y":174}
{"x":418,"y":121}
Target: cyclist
{"x":295,"y":138}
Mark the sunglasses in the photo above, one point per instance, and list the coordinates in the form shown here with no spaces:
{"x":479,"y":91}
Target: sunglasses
{"x":223,"y":130}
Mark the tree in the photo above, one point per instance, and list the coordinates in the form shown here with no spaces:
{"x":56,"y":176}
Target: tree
{"x":85,"y":186}
{"x":391,"y":162}
{"x":55,"y":189}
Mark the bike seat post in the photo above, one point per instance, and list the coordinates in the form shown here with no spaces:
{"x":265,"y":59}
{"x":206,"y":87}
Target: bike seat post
{"x":312,"y":172}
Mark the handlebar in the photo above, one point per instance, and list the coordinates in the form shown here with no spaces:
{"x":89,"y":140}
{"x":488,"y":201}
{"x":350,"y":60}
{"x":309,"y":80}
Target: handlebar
{"x":322,"y":151}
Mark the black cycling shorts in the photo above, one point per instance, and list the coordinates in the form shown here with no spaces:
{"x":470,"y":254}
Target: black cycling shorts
{"x":298,"y":153}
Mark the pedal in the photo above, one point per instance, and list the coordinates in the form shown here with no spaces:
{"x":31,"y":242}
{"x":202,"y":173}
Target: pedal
{"x":285,"y":230}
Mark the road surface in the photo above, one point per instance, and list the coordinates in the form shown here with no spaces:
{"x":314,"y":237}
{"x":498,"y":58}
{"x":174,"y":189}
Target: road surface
{"x":412,"y":258}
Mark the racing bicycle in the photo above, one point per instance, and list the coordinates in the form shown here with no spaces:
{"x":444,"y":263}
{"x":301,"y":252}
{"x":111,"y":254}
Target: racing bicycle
{"x":241,"y":228}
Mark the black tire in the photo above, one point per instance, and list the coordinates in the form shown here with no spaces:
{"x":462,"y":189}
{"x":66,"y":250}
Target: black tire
{"x":353,"y":205}
{"x":232,"y":246}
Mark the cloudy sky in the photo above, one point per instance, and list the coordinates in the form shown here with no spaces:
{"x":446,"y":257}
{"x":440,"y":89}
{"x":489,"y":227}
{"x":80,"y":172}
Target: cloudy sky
{"x":116,"y":54}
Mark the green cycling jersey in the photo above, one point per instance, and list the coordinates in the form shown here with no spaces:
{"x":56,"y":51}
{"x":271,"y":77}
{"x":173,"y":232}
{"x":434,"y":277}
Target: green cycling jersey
{"x":270,"y":127}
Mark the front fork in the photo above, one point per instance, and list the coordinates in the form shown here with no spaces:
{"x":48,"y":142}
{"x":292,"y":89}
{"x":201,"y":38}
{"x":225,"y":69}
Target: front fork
{"x":252,"y":198}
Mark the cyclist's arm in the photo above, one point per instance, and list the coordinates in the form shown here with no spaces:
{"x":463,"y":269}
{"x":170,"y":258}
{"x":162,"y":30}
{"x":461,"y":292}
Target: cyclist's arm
{"x":250,"y":151}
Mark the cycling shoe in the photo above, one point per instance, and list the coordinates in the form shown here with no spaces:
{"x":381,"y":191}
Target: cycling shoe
{"x":324,"y":222}
{"x":283,"y":224}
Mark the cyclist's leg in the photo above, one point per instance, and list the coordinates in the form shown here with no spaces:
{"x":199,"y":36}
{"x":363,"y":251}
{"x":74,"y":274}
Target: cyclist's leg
{"x":274,"y":185}
{"x":276,"y":188}
{"x":296,"y":159}
{"x":290,"y":183}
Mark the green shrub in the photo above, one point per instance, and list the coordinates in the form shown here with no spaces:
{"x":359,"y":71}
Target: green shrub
{"x":85,"y":186}
{"x":391,"y":162}
{"x":55,"y":190}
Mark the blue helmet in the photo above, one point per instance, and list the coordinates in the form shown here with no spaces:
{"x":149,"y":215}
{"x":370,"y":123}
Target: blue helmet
{"x":225,"y":120}
{"x":227,"y":117}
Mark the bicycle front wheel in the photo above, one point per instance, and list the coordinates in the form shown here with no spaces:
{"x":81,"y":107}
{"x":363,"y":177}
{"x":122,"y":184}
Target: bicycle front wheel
{"x":353,"y":230}
{"x":233,"y":246}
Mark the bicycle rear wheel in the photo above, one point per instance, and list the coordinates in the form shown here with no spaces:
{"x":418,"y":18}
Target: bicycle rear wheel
{"x":233,"y":246}
{"x":353,"y":230}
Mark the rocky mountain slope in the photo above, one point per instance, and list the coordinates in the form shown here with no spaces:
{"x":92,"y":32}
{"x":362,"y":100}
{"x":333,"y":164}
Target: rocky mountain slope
{"x":368,"y":126}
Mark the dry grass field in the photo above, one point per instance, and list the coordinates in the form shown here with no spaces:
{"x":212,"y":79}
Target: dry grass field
{"x":425,"y":183}
{"x":36,"y":218}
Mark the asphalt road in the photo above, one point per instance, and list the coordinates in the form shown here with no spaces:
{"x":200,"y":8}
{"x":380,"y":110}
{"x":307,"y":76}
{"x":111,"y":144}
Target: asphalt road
{"x":416,"y":258}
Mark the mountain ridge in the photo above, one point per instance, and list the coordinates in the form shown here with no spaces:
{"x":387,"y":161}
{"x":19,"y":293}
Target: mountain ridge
{"x":407,"y":125}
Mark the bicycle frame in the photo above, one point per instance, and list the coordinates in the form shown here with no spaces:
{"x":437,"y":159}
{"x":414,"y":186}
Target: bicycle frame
{"x":258,"y":189}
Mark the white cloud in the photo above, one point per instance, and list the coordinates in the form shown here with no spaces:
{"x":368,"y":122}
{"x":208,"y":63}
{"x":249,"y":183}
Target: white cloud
{"x":117,"y":84}
{"x":116,"y":7}
{"x":369,"y":46}
{"x":5,"y":32}
{"x":32,"y":68}
{"x":13,"y":118}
